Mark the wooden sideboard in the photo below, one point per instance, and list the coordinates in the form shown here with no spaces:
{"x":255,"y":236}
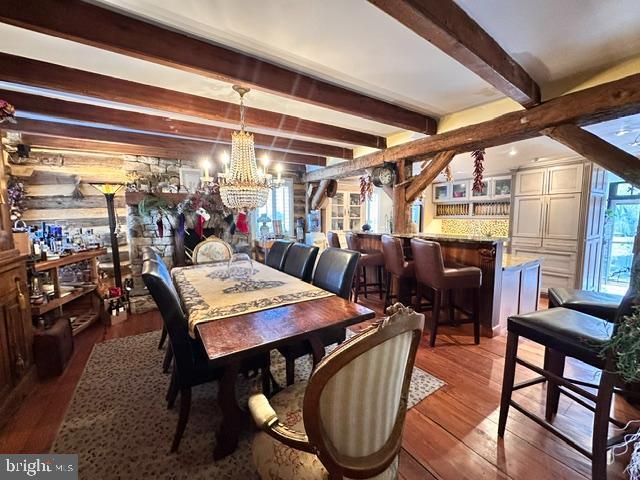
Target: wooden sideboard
{"x":17,"y":374}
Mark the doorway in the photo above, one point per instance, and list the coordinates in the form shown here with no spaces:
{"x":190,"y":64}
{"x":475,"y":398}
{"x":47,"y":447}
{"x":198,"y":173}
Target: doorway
{"x":621,"y":225}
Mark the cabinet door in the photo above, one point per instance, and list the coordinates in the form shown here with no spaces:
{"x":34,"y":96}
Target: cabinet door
{"x":354,"y":212}
{"x":564,"y":179}
{"x":530,"y":182}
{"x":337,"y":212}
{"x":528,"y":216}
{"x":562,"y":216}
{"x":6,"y":377}
{"x":441,"y":192}
{"x":501,"y":187}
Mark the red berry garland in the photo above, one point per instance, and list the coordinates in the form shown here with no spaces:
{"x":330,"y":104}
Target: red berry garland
{"x":478,"y":168}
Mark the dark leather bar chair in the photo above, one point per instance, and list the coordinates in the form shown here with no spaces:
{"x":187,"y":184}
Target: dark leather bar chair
{"x":601,"y":305}
{"x":333,"y":240}
{"x":300,"y":261}
{"x":371,"y":260}
{"x":278,"y":254}
{"x":191,"y":366}
{"x":431,"y":273}
{"x":398,"y":269}
{"x":567,"y":333}
{"x":334,"y":272}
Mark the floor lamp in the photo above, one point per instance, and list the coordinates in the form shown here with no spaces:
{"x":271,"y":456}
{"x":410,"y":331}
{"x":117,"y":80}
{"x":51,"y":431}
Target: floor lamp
{"x":109,"y":190}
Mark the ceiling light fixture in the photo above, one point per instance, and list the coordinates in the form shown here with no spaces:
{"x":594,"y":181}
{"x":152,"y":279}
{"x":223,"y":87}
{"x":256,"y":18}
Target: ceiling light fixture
{"x":242,"y":184}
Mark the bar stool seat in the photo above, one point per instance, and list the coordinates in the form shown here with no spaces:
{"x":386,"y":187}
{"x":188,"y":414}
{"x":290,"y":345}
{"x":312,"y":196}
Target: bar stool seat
{"x":431,"y":272}
{"x":571,"y":332}
{"x":601,"y":305}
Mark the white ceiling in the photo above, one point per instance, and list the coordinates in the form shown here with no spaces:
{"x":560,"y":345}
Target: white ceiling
{"x":554,"y":39}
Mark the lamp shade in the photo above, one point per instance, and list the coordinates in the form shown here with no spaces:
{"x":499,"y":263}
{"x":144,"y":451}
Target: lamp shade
{"x":264,"y":218}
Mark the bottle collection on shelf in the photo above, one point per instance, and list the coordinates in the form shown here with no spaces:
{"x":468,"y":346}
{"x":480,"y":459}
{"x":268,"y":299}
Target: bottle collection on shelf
{"x":479,"y":209}
{"x":50,"y":242}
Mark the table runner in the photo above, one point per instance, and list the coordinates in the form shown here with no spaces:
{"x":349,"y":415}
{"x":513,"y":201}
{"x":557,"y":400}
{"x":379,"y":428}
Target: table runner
{"x":208,"y":293}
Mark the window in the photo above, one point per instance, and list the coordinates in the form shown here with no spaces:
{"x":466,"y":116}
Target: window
{"x":279,"y":206}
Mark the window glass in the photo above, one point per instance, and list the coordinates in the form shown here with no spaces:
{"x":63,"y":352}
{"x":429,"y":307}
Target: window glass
{"x":279,"y":207}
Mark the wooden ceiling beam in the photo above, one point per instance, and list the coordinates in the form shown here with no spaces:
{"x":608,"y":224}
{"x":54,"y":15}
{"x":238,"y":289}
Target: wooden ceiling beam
{"x":64,"y":144}
{"x":599,"y":151}
{"x":447,"y":26}
{"x":29,"y":103}
{"x":99,"y":27}
{"x":596,"y":104}
{"x":28,"y":72}
{"x":428,"y":175}
{"x":182,"y":147}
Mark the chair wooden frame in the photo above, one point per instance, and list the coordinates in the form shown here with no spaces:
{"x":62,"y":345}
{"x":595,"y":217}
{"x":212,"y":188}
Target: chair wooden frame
{"x":208,"y":240}
{"x":315,"y":440}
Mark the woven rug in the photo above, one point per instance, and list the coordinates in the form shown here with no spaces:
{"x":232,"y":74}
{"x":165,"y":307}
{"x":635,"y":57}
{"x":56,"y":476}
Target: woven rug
{"x":120,"y":427}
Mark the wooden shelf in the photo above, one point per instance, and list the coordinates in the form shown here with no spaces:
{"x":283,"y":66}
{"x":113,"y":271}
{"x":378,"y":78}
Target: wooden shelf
{"x":69,"y":259}
{"x":58,"y":302}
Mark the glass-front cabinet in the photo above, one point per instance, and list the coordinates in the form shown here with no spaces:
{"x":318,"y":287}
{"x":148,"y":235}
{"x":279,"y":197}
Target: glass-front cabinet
{"x":493,"y":188}
{"x":441,"y":192}
{"x":346,"y":212}
{"x":460,"y":190}
{"x":502,"y":187}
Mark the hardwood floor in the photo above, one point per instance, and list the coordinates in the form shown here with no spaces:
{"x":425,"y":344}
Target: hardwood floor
{"x":452,"y":434}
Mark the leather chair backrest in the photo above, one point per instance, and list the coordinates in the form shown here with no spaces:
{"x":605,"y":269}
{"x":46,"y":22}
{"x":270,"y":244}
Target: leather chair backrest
{"x":300,"y":261}
{"x":353,"y":242}
{"x":429,"y":265}
{"x":333,"y":240}
{"x":278,"y":254}
{"x":393,"y":254}
{"x":157,"y":278}
{"x":335,"y":270}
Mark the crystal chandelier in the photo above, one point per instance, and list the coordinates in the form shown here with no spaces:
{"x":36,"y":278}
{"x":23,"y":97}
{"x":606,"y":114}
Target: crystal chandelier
{"x":242,"y":184}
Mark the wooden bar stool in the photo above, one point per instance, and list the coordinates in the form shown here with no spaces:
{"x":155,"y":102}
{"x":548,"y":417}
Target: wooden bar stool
{"x":333,"y":240}
{"x":369,"y":260}
{"x":567,"y":333}
{"x":399,"y":269}
{"x":431,"y":272}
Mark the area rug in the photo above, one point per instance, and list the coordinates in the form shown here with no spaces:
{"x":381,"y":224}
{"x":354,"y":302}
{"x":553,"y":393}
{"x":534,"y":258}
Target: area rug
{"x":120,"y":427}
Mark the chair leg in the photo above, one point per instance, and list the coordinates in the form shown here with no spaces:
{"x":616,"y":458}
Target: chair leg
{"x":290,"y":369}
{"x":387,"y":295}
{"x":554,"y":364}
{"x":168,"y":357}
{"x":435,"y":316}
{"x":364,"y":278}
{"x":172,"y":392}
{"x":601,"y":424}
{"x":185,"y":408}
{"x":418,"y":305}
{"x":507,"y":380}
{"x":163,"y":337}
{"x":476,"y":315}
{"x":379,"y":268}
{"x":452,"y":312}
{"x":266,"y":381}
{"x":356,"y":291}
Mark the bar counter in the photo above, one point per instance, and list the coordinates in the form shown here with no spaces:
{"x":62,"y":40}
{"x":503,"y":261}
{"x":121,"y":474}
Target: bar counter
{"x":500,"y":295}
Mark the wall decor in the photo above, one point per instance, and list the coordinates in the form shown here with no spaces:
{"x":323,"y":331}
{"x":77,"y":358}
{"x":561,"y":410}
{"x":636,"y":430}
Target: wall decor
{"x":190,"y":178}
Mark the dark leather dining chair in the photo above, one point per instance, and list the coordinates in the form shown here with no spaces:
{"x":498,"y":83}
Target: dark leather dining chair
{"x":398,"y":269}
{"x":191,"y":365}
{"x":334,"y":273}
{"x":148,"y":253}
{"x":300,"y":261}
{"x":333,"y":240}
{"x":278,"y":254}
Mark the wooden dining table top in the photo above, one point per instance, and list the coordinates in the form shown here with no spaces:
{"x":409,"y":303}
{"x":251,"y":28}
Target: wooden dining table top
{"x":234,"y":337}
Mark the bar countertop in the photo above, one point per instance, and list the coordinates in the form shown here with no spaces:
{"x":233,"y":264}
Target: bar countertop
{"x":445,"y":237}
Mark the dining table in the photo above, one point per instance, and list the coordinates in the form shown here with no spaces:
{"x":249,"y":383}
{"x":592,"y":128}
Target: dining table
{"x":235,"y":318}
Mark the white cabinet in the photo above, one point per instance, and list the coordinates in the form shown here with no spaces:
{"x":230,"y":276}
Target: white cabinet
{"x":528,"y":216}
{"x":530,"y":182}
{"x":441,"y":192}
{"x":564,"y":179}
{"x":562,"y":216}
{"x":501,"y":187}
{"x":345,"y":212}
{"x":547,"y":211}
{"x":494,"y":188}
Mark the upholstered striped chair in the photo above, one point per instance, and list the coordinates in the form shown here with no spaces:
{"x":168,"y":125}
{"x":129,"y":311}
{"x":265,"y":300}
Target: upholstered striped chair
{"x":211,"y":250}
{"x":347,"y":421}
